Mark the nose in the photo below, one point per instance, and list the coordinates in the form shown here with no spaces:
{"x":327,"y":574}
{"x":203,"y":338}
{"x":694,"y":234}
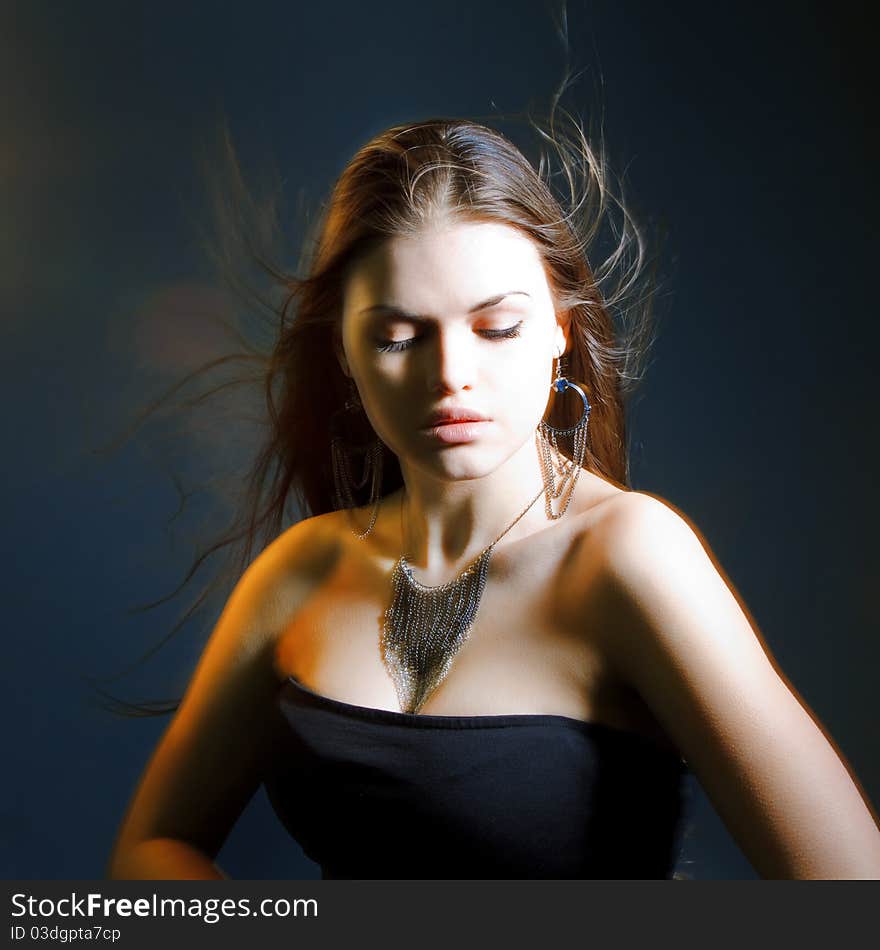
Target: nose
{"x":451,"y":360}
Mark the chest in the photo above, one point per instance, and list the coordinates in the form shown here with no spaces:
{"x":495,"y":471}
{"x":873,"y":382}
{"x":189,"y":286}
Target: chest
{"x":525,"y":652}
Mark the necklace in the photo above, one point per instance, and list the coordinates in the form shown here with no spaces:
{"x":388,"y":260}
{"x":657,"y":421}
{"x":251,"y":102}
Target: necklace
{"x":425,"y":627}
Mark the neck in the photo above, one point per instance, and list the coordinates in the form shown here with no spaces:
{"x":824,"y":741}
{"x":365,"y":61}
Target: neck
{"x":446,"y":523}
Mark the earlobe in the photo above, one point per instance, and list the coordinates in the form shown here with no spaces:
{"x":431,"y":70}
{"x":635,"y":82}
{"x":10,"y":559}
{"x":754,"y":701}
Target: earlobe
{"x":561,"y":339}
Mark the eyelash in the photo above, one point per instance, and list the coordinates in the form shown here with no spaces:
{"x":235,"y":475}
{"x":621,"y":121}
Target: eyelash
{"x":507,"y":334}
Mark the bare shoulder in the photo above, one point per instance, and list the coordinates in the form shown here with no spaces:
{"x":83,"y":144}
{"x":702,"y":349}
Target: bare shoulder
{"x":624,"y":529}
{"x":671,"y":621}
{"x":280,"y":579}
{"x":212,"y":757}
{"x":633,"y":532}
{"x":679,"y":635}
{"x":623,"y":511}
{"x":649,"y":569}
{"x":287,"y":569}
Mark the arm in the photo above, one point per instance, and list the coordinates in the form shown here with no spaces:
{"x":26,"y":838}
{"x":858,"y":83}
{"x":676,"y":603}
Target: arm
{"x":163,"y":859}
{"x":677,"y":633}
{"x":210,"y":760}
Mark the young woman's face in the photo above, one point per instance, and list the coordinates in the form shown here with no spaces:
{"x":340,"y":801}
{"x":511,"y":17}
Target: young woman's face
{"x":457,"y":317}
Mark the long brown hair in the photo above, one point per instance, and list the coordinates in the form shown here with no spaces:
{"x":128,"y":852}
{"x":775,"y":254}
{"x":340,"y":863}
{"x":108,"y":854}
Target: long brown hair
{"x":396,"y":183}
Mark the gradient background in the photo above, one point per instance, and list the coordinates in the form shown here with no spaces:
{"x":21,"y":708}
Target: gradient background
{"x":745,"y":130}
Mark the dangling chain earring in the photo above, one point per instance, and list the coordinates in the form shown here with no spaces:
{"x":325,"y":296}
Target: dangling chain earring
{"x":344,"y":424}
{"x":567,"y":468}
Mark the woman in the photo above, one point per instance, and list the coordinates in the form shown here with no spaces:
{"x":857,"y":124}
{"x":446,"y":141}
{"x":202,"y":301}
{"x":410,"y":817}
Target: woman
{"x":487,"y":657}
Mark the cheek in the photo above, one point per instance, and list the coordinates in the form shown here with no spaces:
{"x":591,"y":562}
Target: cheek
{"x":520,"y":397}
{"x":390,"y":412}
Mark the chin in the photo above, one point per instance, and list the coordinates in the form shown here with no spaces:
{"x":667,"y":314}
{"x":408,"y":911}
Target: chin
{"x":460,"y":463}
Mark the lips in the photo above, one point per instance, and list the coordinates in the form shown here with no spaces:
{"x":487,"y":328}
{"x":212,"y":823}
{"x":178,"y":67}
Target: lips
{"x":444,"y":417}
{"x":457,"y":432}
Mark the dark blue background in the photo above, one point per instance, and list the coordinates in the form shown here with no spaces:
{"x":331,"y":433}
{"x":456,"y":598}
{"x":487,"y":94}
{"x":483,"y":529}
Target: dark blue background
{"x":743,"y":128}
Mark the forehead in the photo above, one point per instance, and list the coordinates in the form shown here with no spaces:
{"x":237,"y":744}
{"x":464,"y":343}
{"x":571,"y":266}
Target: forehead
{"x":447,"y":269}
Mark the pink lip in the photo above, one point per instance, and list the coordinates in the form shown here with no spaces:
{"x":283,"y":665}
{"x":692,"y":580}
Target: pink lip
{"x":457,"y":431}
{"x":455,"y":414}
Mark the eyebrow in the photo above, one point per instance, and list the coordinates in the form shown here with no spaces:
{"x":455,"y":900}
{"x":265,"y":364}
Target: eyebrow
{"x":391,"y":310}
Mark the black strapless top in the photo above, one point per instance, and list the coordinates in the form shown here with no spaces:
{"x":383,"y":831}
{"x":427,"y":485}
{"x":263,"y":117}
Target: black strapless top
{"x":378,"y":794}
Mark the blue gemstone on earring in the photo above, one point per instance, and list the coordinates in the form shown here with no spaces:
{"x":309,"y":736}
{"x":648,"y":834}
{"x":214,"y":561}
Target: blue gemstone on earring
{"x":561,"y":385}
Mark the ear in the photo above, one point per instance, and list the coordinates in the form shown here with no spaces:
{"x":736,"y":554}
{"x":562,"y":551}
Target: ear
{"x":561,"y":332}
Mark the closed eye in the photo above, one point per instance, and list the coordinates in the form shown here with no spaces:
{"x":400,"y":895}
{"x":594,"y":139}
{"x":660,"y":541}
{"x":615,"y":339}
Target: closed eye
{"x":507,"y":333}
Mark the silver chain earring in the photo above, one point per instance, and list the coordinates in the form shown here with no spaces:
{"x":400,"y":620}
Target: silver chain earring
{"x":558,"y":464}
{"x":348,"y":440}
